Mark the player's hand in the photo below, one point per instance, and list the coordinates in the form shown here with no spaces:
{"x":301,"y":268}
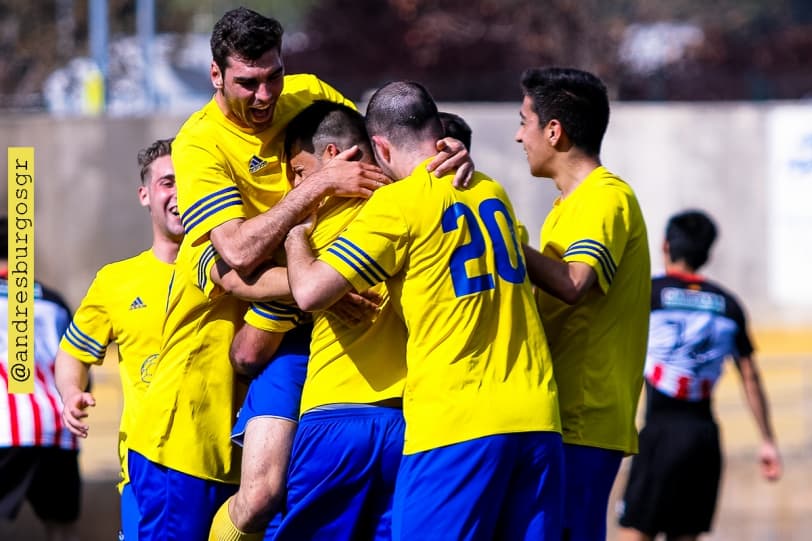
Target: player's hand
{"x":353,"y":308}
{"x":348,"y":177}
{"x":308,"y":224}
{"x":771,"y":466}
{"x":452,"y":155}
{"x":75,"y":410}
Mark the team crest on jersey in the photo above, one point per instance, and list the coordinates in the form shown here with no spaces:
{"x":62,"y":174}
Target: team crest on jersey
{"x":137,"y":303}
{"x":148,"y":368}
{"x":256,"y":164}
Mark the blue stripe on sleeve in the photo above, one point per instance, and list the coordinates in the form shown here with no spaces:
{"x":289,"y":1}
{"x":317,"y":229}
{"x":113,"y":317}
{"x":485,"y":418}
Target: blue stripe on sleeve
{"x":599,"y":252}
{"x":84,"y":342}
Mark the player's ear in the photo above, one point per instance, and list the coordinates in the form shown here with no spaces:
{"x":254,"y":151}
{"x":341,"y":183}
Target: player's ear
{"x":330,"y":151}
{"x":216,"y":76}
{"x":382,"y":149}
{"x":553,"y":132}
{"x":143,"y":196}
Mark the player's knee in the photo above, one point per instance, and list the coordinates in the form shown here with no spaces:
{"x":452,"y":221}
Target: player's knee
{"x":262,"y":501}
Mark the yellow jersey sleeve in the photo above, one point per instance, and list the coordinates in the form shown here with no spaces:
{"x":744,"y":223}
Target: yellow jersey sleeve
{"x":275,"y":316}
{"x":378,"y":244}
{"x":598,"y":237}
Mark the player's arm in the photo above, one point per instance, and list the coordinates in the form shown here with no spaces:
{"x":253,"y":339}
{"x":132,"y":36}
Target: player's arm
{"x":315,"y":285}
{"x":252,"y":349}
{"x":771,"y":466}
{"x":568,"y":282}
{"x":245,"y":244}
{"x":72,"y":377}
{"x":267,"y":283}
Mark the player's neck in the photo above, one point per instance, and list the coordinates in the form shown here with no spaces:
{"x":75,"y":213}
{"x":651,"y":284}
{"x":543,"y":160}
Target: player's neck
{"x":679,"y":267}
{"x":572,"y":171}
{"x":165,"y":249}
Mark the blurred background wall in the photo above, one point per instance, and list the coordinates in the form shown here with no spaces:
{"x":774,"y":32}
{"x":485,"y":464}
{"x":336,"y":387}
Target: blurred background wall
{"x":749,"y":165}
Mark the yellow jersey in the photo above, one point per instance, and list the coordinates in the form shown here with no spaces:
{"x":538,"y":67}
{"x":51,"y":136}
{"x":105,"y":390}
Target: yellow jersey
{"x":599,"y":344}
{"x":194,"y":396}
{"x":124,"y":304}
{"x":362,"y":364}
{"x":477,"y":357}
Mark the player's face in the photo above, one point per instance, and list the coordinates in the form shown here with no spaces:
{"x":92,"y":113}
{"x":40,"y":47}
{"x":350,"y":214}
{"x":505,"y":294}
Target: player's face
{"x":302,"y":164}
{"x":531,"y":136}
{"x":248,"y":90}
{"x":161,"y":196}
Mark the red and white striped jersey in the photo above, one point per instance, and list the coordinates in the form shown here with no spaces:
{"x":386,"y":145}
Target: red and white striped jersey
{"x":35,"y":419}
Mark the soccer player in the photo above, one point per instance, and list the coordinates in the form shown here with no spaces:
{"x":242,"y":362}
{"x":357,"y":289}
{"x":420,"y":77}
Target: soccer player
{"x":125,"y":304}
{"x":482,"y":449}
{"x":352,"y":396}
{"x":695,"y":325}
{"x":236,"y":205}
{"x":38,"y":456}
{"x":592,"y":276}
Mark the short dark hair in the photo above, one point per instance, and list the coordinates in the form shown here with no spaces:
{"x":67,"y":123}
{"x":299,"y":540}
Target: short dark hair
{"x":455,"y":126}
{"x":405,"y":112}
{"x":161,"y":147}
{"x":245,"y":34}
{"x":576,"y":98}
{"x":324,"y":122}
{"x":690,"y":235}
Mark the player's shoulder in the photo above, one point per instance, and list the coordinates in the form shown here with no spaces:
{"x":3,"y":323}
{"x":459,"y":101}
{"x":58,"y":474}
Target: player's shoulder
{"x":307,"y":85}
{"x":199,"y":121}
{"x":127,"y":266}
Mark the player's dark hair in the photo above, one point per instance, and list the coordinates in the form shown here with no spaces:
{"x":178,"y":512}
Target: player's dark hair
{"x":244,"y":34}
{"x":324,"y":122}
{"x":454,"y":126}
{"x":576,"y":98}
{"x":161,"y":147}
{"x":690,"y":235}
{"x":405,"y":112}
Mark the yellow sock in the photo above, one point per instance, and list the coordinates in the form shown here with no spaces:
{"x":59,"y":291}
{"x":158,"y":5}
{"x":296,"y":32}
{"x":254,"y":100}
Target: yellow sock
{"x":223,"y":529}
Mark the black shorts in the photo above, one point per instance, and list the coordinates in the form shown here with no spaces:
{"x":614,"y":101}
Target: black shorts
{"x":48,"y":477}
{"x":674,"y":480}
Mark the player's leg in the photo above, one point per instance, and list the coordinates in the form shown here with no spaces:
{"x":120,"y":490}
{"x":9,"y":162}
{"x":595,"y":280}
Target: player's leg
{"x":266,"y":454}
{"x":129,"y":515}
{"x":639,"y":510}
{"x":265,"y":428}
{"x":453,"y":492}
{"x":55,"y":493}
{"x":533,"y":507}
{"x":390,"y":453}
{"x":589,"y":475}
{"x":17,"y":468}
{"x":173,"y":506}
{"x":335,"y":474}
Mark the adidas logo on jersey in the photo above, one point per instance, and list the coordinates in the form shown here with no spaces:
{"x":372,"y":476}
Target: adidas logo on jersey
{"x":256,"y":164}
{"x":137,"y":303}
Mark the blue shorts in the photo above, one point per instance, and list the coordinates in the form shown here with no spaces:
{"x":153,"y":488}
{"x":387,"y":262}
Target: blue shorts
{"x":277,"y":390}
{"x":173,"y":506}
{"x":129,"y":515}
{"x":506,"y":486}
{"x":342,"y":474}
{"x":590,"y":473}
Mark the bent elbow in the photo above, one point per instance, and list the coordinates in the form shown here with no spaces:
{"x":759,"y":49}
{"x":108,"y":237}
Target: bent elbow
{"x":239,"y":261}
{"x":246,"y":362}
